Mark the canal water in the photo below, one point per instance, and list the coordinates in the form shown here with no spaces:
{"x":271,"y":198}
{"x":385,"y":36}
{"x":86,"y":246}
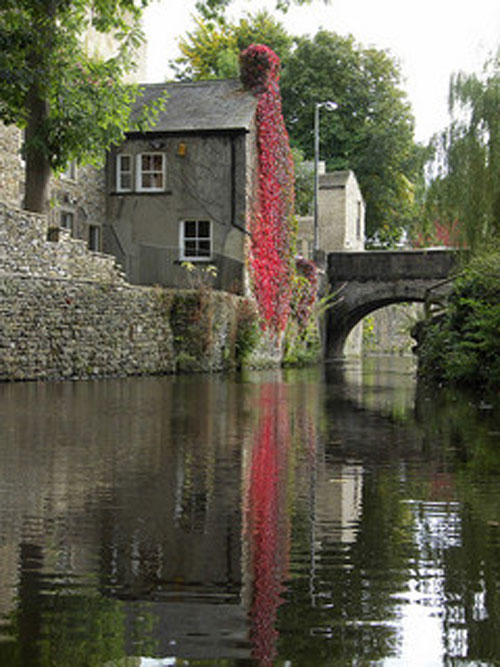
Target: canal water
{"x":339,"y":515}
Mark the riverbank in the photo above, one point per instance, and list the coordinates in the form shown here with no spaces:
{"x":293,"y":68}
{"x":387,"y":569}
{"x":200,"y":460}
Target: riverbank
{"x":461,"y":346}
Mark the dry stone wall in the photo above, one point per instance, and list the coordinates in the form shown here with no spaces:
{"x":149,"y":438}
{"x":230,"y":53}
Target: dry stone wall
{"x":66,"y":312}
{"x":11,"y":172}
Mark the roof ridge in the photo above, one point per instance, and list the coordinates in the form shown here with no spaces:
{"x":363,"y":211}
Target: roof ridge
{"x":201,"y":82}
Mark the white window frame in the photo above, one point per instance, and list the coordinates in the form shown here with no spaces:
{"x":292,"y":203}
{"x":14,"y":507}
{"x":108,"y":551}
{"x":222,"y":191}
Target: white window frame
{"x":183,"y":238}
{"x":139,"y":172}
{"x":121,"y":172}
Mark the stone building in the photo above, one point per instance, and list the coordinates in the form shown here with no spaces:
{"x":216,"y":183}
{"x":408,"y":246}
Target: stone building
{"x":341,"y":216}
{"x":77,"y":196}
{"x":181,"y":190}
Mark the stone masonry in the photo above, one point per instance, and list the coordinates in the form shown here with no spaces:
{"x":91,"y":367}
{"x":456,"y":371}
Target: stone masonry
{"x":66,"y":312}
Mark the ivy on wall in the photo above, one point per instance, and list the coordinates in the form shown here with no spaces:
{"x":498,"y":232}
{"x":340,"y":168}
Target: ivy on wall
{"x":271,"y":257}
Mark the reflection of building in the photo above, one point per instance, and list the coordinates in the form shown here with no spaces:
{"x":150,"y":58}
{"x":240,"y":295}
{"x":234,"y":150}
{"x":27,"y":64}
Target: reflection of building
{"x":338,"y":502}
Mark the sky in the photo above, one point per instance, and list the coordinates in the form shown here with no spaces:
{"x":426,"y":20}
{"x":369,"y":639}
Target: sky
{"x":431,"y":39}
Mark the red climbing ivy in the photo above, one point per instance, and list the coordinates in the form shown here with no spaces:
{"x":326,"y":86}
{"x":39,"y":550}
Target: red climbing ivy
{"x":271,"y":224}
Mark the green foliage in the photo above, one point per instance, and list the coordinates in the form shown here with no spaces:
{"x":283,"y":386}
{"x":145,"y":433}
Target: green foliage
{"x":210,"y":10}
{"x":247,"y":330}
{"x":371,"y":132}
{"x":304,"y":183}
{"x":72,"y":102}
{"x":463,"y":347}
{"x":465,"y":168}
{"x":200,"y":276}
{"x":212,"y":50}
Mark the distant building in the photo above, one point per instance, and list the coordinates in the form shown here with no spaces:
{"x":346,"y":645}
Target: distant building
{"x":341,"y":216}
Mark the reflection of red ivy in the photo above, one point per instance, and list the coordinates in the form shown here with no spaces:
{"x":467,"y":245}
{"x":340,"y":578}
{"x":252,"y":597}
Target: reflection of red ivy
{"x":268,"y":521}
{"x":282,"y":439}
{"x":271,"y":261}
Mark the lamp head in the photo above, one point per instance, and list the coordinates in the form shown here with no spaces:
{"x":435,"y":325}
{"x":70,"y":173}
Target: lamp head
{"x":328,"y":105}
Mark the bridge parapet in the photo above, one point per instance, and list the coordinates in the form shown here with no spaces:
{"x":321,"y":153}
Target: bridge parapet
{"x":390,"y":265}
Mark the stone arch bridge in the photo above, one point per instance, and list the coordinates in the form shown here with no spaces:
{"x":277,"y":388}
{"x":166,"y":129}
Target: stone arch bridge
{"x":368,"y":280}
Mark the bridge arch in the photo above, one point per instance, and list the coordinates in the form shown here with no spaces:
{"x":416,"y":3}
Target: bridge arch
{"x":367,"y":281}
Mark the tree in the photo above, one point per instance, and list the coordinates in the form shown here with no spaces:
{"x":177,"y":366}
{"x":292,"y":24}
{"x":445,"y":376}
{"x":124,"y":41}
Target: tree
{"x":371,"y":132}
{"x":72,"y":104}
{"x":465,"y":184}
{"x":214,"y":9}
{"x":212,"y":50}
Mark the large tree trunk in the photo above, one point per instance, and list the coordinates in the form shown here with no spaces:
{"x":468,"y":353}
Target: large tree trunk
{"x":37,"y":176}
{"x":38,"y":170}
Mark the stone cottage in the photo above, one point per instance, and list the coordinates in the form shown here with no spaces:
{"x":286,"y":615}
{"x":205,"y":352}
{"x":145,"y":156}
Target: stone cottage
{"x":181,"y":190}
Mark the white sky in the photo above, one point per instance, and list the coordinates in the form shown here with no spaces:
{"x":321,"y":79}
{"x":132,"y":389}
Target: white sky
{"x":430,"y":38}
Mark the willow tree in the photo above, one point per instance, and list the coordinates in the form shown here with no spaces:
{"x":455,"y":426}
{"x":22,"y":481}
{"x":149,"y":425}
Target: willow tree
{"x":465,"y":184}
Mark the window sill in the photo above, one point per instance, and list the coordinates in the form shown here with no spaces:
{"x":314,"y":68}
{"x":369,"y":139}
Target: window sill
{"x":137,"y":193}
{"x":195,"y":260}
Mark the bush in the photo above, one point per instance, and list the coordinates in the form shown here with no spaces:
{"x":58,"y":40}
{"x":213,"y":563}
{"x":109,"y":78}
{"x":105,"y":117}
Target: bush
{"x":463,"y":347}
{"x":247,"y":330}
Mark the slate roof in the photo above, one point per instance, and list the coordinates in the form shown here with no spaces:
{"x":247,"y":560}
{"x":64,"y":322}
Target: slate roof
{"x":200,"y":105}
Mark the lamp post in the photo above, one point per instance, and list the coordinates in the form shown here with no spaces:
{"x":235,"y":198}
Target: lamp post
{"x":331,"y":106}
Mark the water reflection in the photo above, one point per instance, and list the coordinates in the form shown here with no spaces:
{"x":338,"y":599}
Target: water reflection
{"x":325,"y":516}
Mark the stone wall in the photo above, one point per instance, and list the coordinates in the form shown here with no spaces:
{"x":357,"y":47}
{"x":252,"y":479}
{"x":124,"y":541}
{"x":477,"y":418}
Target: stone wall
{"x":11,"y":171}
{"x":80,"y":194}
{"x":66,"y":312}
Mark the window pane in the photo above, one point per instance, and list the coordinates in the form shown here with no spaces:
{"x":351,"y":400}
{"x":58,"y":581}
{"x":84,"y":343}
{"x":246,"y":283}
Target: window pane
{"x":125,"y":182}
{"x":145,"y":162}
{"x":157,"y":180}
{"x":190,"y":249}
{"x":190,"y":229}
{"x":66,"y":220}
{"x":204,"y":248}
{"x":157,"y":161}
{"x":125,"y":163}
{"x":204,"y":229}
{"x":146,"y":181}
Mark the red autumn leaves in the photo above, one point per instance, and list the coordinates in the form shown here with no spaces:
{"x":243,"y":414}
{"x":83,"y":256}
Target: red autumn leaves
{"x":271,"y":253}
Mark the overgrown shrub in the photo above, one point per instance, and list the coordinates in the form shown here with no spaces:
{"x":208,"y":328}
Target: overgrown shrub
{"x":247,"y":330}
{"x":463,"y":346}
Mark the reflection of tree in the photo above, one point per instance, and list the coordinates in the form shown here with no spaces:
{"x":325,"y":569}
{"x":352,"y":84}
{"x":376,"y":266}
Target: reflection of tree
{"x":469,"y":458}
{"x":57,"y":626}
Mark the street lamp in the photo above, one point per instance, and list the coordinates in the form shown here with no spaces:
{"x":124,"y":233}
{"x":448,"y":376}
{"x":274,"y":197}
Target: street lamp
{"x":330,"y":106}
